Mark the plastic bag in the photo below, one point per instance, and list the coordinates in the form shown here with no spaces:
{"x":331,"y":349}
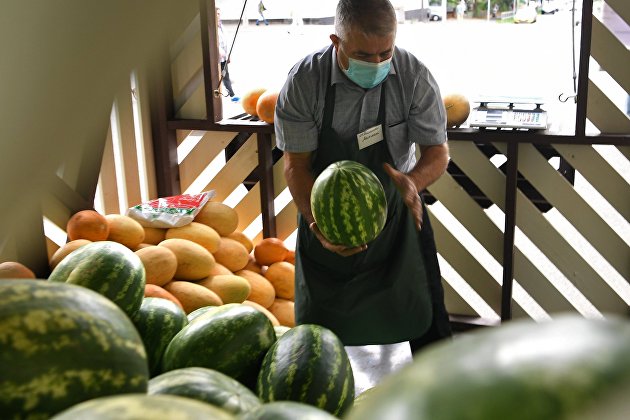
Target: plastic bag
{"x":169,"y":212}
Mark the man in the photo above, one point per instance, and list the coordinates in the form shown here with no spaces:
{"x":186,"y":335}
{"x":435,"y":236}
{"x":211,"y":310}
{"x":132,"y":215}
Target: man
{"x":224,"y":57}
{"x":387,"y":291}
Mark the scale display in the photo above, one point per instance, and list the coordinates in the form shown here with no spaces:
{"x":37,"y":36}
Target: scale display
{"x":504,"y":112}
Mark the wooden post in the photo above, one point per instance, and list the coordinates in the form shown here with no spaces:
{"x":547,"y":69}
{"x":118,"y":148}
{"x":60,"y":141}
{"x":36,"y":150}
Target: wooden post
{"x":265,"y":174}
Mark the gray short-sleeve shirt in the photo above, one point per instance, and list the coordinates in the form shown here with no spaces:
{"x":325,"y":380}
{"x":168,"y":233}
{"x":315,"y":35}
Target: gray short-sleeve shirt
{"x":414,"y":109}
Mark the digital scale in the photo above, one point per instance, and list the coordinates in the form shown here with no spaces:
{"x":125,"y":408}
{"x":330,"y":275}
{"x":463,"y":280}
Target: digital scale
{"x":509,"y":112}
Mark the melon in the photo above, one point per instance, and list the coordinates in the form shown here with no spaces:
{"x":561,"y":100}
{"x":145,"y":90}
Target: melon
{"x":457,"y":109}
{"x":153,"y":290}
{"x":284,"y":310}
{"x":66,"y":249}
{"x":230,"y":288}
{"x":261,"y":289}
{"x":124,"y":230}
{"x":160,"y":264}
{"x":194,"y":262}
{"x":15,"y":270}
{"x":192,"y":295}
{"x":232,"y":255}
{"x":348,"y":204}
{"x":197,"y":232}
{"x":250,"y":99}
{"x":270,"y":250}
{"x":87,"y":224}
{"x":266,"y":106}
{"x":219,"y":217}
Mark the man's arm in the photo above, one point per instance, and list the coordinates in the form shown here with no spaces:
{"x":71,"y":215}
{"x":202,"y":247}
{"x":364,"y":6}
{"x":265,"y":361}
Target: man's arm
{"x":431,"y":165}
{"x":297,"y":171}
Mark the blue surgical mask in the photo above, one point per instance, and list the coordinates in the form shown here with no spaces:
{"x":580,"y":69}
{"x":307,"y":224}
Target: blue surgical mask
{"x":365,"y":74}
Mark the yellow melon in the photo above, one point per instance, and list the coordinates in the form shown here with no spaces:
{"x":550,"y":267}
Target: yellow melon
{"x":192,"y":295}
{"x":231,"y":254}
{"x":202,"y":234}
{"x":124,"y":230}
{"x":66,"y":249}
{"x":457,"y":109}
{"x":243,"y":239}
{"x":153,"y":235}
{"x":267,"y":312}
{"x":160,"y":264}
{"x":261,"y":289}
{"x":219,"y":217}
{"x":284,"y":310}
{"x":282,"y":276}
{"x":229,"y":287}
{"x":194,"y":262}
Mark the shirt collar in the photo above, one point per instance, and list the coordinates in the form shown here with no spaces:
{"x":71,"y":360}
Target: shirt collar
{"x":337,"y":76}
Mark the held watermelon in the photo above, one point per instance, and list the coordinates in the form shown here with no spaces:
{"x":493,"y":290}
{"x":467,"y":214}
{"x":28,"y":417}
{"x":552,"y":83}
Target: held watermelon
{"x":106,"y":267}
{"x":144,"y":407}
{"x":308,"y":364}
{"x":207,"y":385}
{"x":158,"y":321}
{"x":348,"y":203}
{"x":232,"y":338}
{"x":63,"y":344}
{"x":522,"y":370}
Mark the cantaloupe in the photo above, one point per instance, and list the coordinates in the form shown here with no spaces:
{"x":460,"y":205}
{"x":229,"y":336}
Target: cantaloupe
{"x":194,"y":262}
{"x":160,"y":264}
{"x":266,"y":106}
{"x":229,"y":287}
{"x":124,"y":230}
{"x":66,"y":249}
{"x":192,"y":295}
{"x":250,"y":99}
{"x":457,"y":109}
{"x":16,"y":270}
{"x":87,"y":224}
{"x":219,"y":217}
{"x":202,"y":234}
{"x":261,"y":289}
{"x":269,"y":251}
{"x":153,"y":235}
{"x":282,"y":276}
{"x":284,"y":310}
{"x":231,"y":254}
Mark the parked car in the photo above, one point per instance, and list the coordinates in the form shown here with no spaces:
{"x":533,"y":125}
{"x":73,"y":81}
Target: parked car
{"x":549,"y":7}
{"x":435,"y":13}
{"x":526,"y":15}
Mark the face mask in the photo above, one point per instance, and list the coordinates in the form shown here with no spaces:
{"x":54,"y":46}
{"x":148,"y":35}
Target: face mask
{"x":365,"y":74}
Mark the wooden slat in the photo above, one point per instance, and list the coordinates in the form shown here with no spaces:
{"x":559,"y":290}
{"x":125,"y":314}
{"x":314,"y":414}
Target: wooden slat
{"x":208,"y":148}
{"x":454,"y":302}
{"x":624,"y":150}
{"x":540,"y":232}
{"x":181,"y":135}
{"x":187,"y":63}
{"x":558,"y":192}
{"x":604,"y":114}
{"x":56,"y":210}
{"x":599,"y":173}
{"x":286,"y":221}
{"x":248,"y":208}
{"x":477,"y":223}
{"x":195,"y":106}
{"x":143,"y":105}
{"x":622,"y":8}
{"x":241,"y":164}
{"x":108,"y":178}
{"x":128,"y":144}
{"x":611,"y":54}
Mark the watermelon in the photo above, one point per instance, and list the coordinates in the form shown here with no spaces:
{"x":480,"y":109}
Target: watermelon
{"x":157,"y":321}
{"x":108,"y":268}
{"x":348,"y":203}
{"x":308,"y":364}
{"x":63,"y":344}
{"x":232,"y":338}
{"x":520,"y":370}
{"x":287,"y":410}
{"x":207,"y":385}
{"x":144,"y":407}
{"x":194,"y":314}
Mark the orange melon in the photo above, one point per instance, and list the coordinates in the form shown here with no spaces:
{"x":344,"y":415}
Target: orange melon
{"x":160,"y":264}
{"x":282,"y":276}
{"x":192,"y":295}
{"x":457,"y":109}
{"x":153,"y":290}
{"x":284,"y":310}
{"x":267,"y":312}
{"x":66,"y":249}
{"x":266,"y":106}
{"x":153,"y":235}
{"x":261,"y":289}
{"x":87,"y":224}
{"x":231,"y":254}
{"x":250,"y":99}
{"x":269,"y":251}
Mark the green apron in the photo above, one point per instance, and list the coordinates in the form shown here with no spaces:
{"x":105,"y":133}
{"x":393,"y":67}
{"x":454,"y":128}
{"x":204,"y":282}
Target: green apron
{"x":384,"y":294}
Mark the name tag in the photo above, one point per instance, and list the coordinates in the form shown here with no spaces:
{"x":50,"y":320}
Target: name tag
{"x":370,"y":136}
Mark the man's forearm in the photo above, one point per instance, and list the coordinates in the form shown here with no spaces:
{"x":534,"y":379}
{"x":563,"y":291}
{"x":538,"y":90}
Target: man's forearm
{"x":297,"y":171}
{"x":431,"y":165}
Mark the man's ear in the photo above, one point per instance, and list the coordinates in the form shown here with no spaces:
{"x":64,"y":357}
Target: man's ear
{"x":335,"y":40}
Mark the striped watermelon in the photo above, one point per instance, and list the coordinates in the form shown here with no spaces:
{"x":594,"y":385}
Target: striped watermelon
{"x":157,"y":321}
{"x":144,"y":407}
{"x":348,"y":203}
{"x":63,"y":344}
{"x":206,"y":385}
{"x":232,"y":339}
{"x":287,"y":410}
{"x":308,"y":364}
{"x":108,"y":268}
{"x":194,"y":314}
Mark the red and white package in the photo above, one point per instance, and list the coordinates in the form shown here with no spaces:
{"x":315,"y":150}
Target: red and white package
{"x":169,"y":212}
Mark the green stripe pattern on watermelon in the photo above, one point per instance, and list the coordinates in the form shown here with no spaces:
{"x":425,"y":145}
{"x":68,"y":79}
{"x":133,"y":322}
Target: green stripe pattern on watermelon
{"x":144,"y":407}
{"x":106,"y":267}
{"x":308,"y":364}
{"x":232,"y":338}
{"x":158,"y":321}
{"x":348,"y":203}
{"x":207,"y":385}
{"x":63,"y":344}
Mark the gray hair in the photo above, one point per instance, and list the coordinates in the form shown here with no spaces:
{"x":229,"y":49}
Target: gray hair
{"x":374,"y":17}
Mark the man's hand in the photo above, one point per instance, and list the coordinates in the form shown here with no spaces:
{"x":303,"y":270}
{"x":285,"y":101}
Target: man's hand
{"x":344,"y":251}
{"x":408,"y":191}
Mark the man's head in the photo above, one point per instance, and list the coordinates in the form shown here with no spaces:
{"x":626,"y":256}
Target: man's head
{"x":365,"y":31}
